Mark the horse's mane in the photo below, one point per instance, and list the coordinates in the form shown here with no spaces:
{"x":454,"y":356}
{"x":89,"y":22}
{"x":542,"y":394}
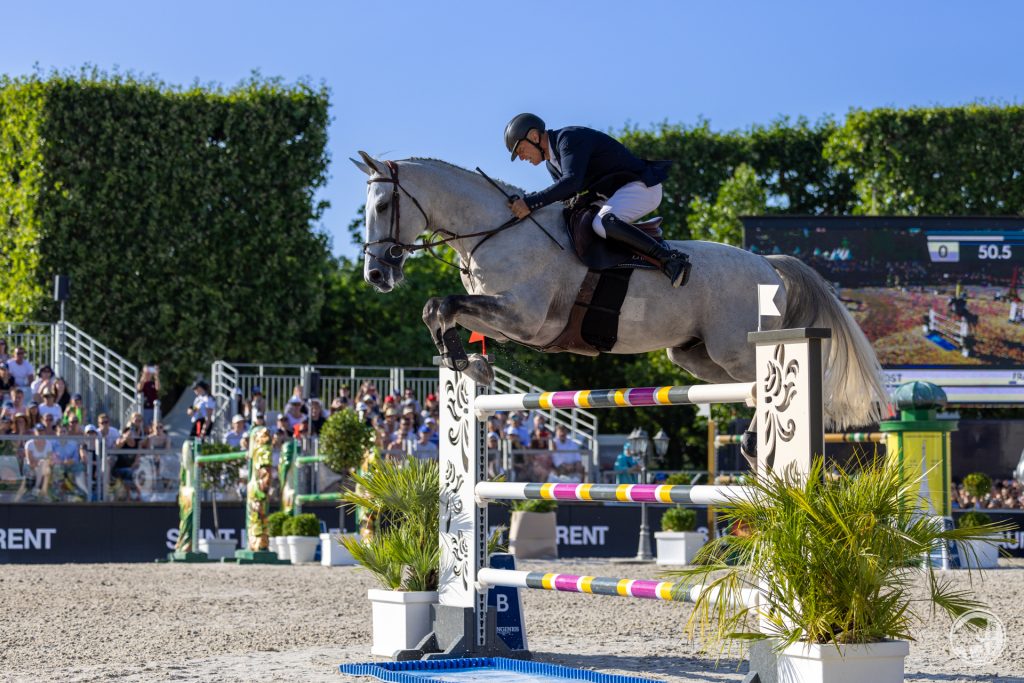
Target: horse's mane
{"x":511,"y":189}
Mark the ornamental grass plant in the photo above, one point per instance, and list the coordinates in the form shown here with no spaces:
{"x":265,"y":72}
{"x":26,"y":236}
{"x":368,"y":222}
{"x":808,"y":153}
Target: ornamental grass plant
{"x":832,"y":558}
{"x":404,"y":552}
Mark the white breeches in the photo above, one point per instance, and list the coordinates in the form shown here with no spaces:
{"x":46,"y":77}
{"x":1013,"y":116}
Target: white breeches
{"x":630,"y":202}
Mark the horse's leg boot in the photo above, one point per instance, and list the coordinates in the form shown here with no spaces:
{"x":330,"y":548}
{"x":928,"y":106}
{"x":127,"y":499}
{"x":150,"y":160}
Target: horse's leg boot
{"x":455,"y":358}
{"x":748,"y":449}
{"x":674,"y":264}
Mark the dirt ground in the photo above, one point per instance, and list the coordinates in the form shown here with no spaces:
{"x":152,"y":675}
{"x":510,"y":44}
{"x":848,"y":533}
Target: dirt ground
{"x":218,"y":622}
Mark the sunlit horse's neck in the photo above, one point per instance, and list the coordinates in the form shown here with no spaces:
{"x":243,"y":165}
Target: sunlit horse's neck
{"x":455,"y":200}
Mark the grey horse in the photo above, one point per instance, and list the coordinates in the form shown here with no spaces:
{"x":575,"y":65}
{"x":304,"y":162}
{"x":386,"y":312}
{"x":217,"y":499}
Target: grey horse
{"x":521,"y":286}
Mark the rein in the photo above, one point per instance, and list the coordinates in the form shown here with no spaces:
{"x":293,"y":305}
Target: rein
{"x":394,"y":253}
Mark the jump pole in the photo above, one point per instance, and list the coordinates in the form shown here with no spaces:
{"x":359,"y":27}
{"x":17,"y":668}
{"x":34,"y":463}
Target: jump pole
{"x":787,"y":395}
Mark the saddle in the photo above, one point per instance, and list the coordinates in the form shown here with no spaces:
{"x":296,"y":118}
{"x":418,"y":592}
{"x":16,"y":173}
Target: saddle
{"x":600,"y":254}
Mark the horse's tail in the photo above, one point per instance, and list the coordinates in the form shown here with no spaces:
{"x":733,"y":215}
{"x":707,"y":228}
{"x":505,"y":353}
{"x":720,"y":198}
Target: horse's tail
{"x":854,"y":392}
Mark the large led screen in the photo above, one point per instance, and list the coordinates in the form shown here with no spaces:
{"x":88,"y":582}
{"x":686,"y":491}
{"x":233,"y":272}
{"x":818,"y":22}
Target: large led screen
{"x":939,"y":298}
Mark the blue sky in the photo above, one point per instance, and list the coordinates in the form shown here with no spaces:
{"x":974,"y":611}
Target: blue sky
{"x":441,"y":79}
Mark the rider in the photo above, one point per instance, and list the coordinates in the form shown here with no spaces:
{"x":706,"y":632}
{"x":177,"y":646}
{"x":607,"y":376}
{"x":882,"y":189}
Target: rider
{"x":577,"y":159}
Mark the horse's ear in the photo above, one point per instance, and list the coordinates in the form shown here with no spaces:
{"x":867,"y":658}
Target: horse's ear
{"x":371,"y":165}
{"x":361,"y":166}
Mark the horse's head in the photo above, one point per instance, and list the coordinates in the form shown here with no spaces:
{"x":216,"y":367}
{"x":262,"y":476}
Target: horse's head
{"x":393,"y":220}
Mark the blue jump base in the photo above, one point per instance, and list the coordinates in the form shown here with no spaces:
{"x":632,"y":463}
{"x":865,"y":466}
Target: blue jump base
{"x":941,"y":341}
{"x":479,"y":669}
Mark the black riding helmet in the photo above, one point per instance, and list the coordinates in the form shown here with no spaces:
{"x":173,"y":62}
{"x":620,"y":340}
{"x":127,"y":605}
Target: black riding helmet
{"x":518,"y":127}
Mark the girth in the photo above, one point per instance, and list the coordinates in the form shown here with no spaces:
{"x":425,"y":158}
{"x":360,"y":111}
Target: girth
{"x":593,"y":324}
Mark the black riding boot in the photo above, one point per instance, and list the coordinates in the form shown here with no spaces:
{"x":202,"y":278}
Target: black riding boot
{"x":673,"y":263}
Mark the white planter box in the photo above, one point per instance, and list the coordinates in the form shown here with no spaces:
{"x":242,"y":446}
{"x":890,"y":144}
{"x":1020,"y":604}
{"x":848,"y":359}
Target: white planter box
{"x":401,"y":619}
{"x":280,"y":546}
{"x":333,"y":553}
{"x":987,"y":555}
{"x":868,"y":663}
{"x":217,"y":548}
{"x":678,"y":547}
{"x":302,"y":548}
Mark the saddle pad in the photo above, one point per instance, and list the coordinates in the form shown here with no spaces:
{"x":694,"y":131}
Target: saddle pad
{"x":596,"y":253}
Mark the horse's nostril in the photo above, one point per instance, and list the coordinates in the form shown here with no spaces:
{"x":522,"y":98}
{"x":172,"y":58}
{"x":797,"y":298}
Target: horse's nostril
{"x":376,"y":275}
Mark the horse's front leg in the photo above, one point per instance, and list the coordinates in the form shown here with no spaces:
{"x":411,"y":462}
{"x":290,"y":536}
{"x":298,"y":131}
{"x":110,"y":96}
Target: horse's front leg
{"x":490,"y":315}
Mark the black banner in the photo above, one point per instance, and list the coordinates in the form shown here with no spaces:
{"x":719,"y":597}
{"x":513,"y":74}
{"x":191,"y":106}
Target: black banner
{"x":55,"y":533}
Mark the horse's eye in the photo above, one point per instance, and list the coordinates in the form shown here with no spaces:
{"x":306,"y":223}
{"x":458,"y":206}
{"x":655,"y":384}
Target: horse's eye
{"x":382,"y":207}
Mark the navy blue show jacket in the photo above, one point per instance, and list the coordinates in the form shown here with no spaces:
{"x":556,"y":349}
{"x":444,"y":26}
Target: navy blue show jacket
{"x":586,"y":156}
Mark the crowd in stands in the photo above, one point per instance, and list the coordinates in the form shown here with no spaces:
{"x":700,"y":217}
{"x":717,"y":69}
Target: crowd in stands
{"x":402,"y":426}
{"x":1006,"y":494}
{"x":49,"y":450}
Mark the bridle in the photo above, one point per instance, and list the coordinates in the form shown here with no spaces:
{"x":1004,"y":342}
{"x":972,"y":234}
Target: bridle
{"x":394,"y":253}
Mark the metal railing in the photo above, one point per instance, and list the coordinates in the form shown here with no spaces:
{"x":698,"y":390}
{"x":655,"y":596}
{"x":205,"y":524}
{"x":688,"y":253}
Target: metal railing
{"x":278,"y":381}
{"x":104,"y":378}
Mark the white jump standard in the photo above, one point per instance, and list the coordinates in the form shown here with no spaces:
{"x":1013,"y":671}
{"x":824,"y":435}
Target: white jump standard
{"x":789,"y":416}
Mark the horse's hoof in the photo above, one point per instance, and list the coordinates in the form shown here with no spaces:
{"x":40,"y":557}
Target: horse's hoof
{"x":479,"y":370}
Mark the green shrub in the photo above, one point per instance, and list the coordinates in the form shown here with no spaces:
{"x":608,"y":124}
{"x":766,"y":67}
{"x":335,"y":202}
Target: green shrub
{"x":978,"y":484}
{"x":972,"y":519}
{"x":344,"y":438}
{"x":534,"y":506}
{"x":275,"y":523}
{"x":306,"y":524}
{"x":678,"y":479}
{"x":679,"y":519}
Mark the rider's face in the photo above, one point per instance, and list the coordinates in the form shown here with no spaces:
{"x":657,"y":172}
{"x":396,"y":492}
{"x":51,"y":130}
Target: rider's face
{"x":527,"y":152}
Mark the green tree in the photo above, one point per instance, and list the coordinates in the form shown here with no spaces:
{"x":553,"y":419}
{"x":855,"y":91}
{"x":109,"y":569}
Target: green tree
{"x":740,"y":195}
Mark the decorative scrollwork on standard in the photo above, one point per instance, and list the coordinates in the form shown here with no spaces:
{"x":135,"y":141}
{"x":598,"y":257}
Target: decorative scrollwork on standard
{"x":779,"y":386}
{"x":459,"y":406}
{"x":451,"y":500}
{"x":459,"y":552}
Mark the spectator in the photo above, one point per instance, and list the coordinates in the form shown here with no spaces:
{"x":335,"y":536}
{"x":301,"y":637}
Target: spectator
{"x":43,"y":382}
{"x":237,"y":432}
{"x":293,"y":413}
{"x":339,"y":403}
{"x":298,"y":393}
{"x":125,"y":463}
{"x":158,"y":438}
{"x":106,"y":432}
{"x":32,"y":411}
{"x":71,"y":459}
{"x":626,"y":467}
{"x":49,"y":424}
{"x":431,"y":408}
{"x":18,"y":399}
{"x":409,"y":399}
{"x":21,"y":370}
{"x":565,"y":457}
{"x":60,"y":391}
{"x":517,"y":434}
{"x":90,"y":451}
{"x":345,"y":394}
{"x":39,"y":460}
{"x":6,"y":379}
{"x":257,"y":403}
{"x":202,"y":409}
{"x":540,"y":437}
{"x":4,"y":353}
{"x":50,"y":406}
{"x":410,"y":412}
{"x":281,"y":441}
{"x":149,"y":387}
{"x":317,"y":418}
{"x":75,"y":409}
